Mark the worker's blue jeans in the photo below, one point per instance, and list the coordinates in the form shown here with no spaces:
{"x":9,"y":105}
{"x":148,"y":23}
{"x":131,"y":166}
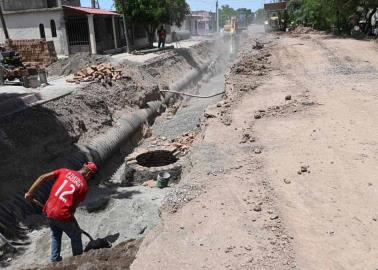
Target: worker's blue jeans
{"x":72,"y":229}
{"x":161,"y":43}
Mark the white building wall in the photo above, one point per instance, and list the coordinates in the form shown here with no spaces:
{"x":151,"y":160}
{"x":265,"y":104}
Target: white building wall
{"x":25,"y":25}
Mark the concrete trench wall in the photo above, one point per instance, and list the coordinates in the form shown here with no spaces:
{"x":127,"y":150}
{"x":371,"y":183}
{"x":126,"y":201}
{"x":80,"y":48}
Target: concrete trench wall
{"x":98,"y":150}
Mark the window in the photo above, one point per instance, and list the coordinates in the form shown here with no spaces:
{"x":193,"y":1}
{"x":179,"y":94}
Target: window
{"x":53,"y":28}
{"x":52,"y":3}
{"x":42,"y":31}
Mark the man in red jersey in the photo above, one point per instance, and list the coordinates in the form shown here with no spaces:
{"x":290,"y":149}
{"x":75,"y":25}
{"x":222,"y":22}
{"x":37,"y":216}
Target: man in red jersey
{"x":69,"y":189}
{"x":162,"y":34}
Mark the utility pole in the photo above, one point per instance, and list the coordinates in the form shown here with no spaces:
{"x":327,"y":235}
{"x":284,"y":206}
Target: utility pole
{"x":125,"y":25}
{"x":3,"y":24}
{"x":217,"y":15}
{"x":93,"y":3}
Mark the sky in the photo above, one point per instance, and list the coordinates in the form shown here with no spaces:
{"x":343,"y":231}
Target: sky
{"x":208,"y":5}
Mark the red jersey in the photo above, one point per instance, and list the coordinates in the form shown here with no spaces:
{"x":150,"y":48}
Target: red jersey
{"x":69,"y":189}
{"x":162,"y":34}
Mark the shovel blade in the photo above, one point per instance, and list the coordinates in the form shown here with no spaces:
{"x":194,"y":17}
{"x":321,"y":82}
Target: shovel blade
{"x":99,"y":243}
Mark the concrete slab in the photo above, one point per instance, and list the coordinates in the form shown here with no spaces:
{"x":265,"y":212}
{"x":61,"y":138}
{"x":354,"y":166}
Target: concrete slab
{"x":18,"y":98}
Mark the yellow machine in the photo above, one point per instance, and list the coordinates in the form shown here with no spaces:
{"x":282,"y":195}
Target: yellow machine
{"x":230,"y":26}
{"x":230,"y":34}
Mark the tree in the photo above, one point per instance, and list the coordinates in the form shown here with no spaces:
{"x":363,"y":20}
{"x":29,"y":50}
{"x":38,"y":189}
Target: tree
{"x":152,"y":13}
{"x":225,"y":13}
{"x":327,"y":14}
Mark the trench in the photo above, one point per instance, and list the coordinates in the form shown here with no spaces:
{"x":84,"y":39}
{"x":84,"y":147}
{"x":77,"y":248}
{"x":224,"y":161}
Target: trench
{"x":112,"y":210}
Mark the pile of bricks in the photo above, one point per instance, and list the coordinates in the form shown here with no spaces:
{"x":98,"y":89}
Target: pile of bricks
{"x":36,"y":51}
{"x":100,"y":73}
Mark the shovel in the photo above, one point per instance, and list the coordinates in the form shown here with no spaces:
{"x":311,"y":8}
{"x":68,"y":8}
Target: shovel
{"x":99,"y":243}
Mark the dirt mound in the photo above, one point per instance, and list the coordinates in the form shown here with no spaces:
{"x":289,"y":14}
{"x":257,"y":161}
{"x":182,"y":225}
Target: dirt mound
{"x":74,"y":63}
{"x":251,"y":65}
{"x":119,"y":257}
{"x":303,"y":30}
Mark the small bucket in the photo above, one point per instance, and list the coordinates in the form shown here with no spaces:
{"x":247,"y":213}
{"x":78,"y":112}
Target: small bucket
{"x":42,"y":77}
{"x":163,"y":180}
{"x":31,"y":81}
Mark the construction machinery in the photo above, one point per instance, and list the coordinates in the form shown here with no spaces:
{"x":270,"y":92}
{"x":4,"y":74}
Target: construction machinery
{"x":276,"y":16}
{"x":230,"y":27}
{"x":232,"y":30}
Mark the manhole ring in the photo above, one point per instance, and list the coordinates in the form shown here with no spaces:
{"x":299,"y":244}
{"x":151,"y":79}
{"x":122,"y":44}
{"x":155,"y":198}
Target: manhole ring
{"x":145,"y":165}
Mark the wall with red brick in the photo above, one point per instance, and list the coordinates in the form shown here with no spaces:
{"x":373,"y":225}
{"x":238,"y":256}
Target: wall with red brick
{"x":34,"y":50}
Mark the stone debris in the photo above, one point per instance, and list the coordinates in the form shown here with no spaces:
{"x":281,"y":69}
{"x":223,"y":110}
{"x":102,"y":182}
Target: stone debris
{"x":179,"y":196}
{"x":100,"y":73}
{"x":304,"y":169}
{"x":257,"y":208}
{"x":246,"y":138}
{"x":287,"y":181}
{"x":288,"y":97}
{"x":258,"y":46}
{"x":229,"y":249}
{"x":182,"y":143}
{"x":209,"y":114}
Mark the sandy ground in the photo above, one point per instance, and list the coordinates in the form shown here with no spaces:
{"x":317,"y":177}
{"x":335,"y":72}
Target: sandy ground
{"x":331,"y":211}
{"x":324,"y":218}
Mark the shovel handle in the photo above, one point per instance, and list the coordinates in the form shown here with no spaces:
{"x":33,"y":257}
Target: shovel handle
{"x":35,"y":201}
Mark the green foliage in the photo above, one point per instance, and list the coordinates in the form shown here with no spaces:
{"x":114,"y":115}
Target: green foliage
{"x":325,"y":14}
{"x":152,"y":13}
{"x":226,"y":12}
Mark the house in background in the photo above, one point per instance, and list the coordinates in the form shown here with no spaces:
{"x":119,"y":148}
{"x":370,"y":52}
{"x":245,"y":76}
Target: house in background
{"x":200,"y":22}
{"x":71,"y":27}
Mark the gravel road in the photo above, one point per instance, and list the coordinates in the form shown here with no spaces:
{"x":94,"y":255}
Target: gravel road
{"x":300,"y":192}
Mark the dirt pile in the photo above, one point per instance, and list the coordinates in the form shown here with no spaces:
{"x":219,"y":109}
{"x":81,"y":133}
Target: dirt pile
{"x":120,"y":257}
{"x":74,"y":63}
{"x":251,"y":64}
